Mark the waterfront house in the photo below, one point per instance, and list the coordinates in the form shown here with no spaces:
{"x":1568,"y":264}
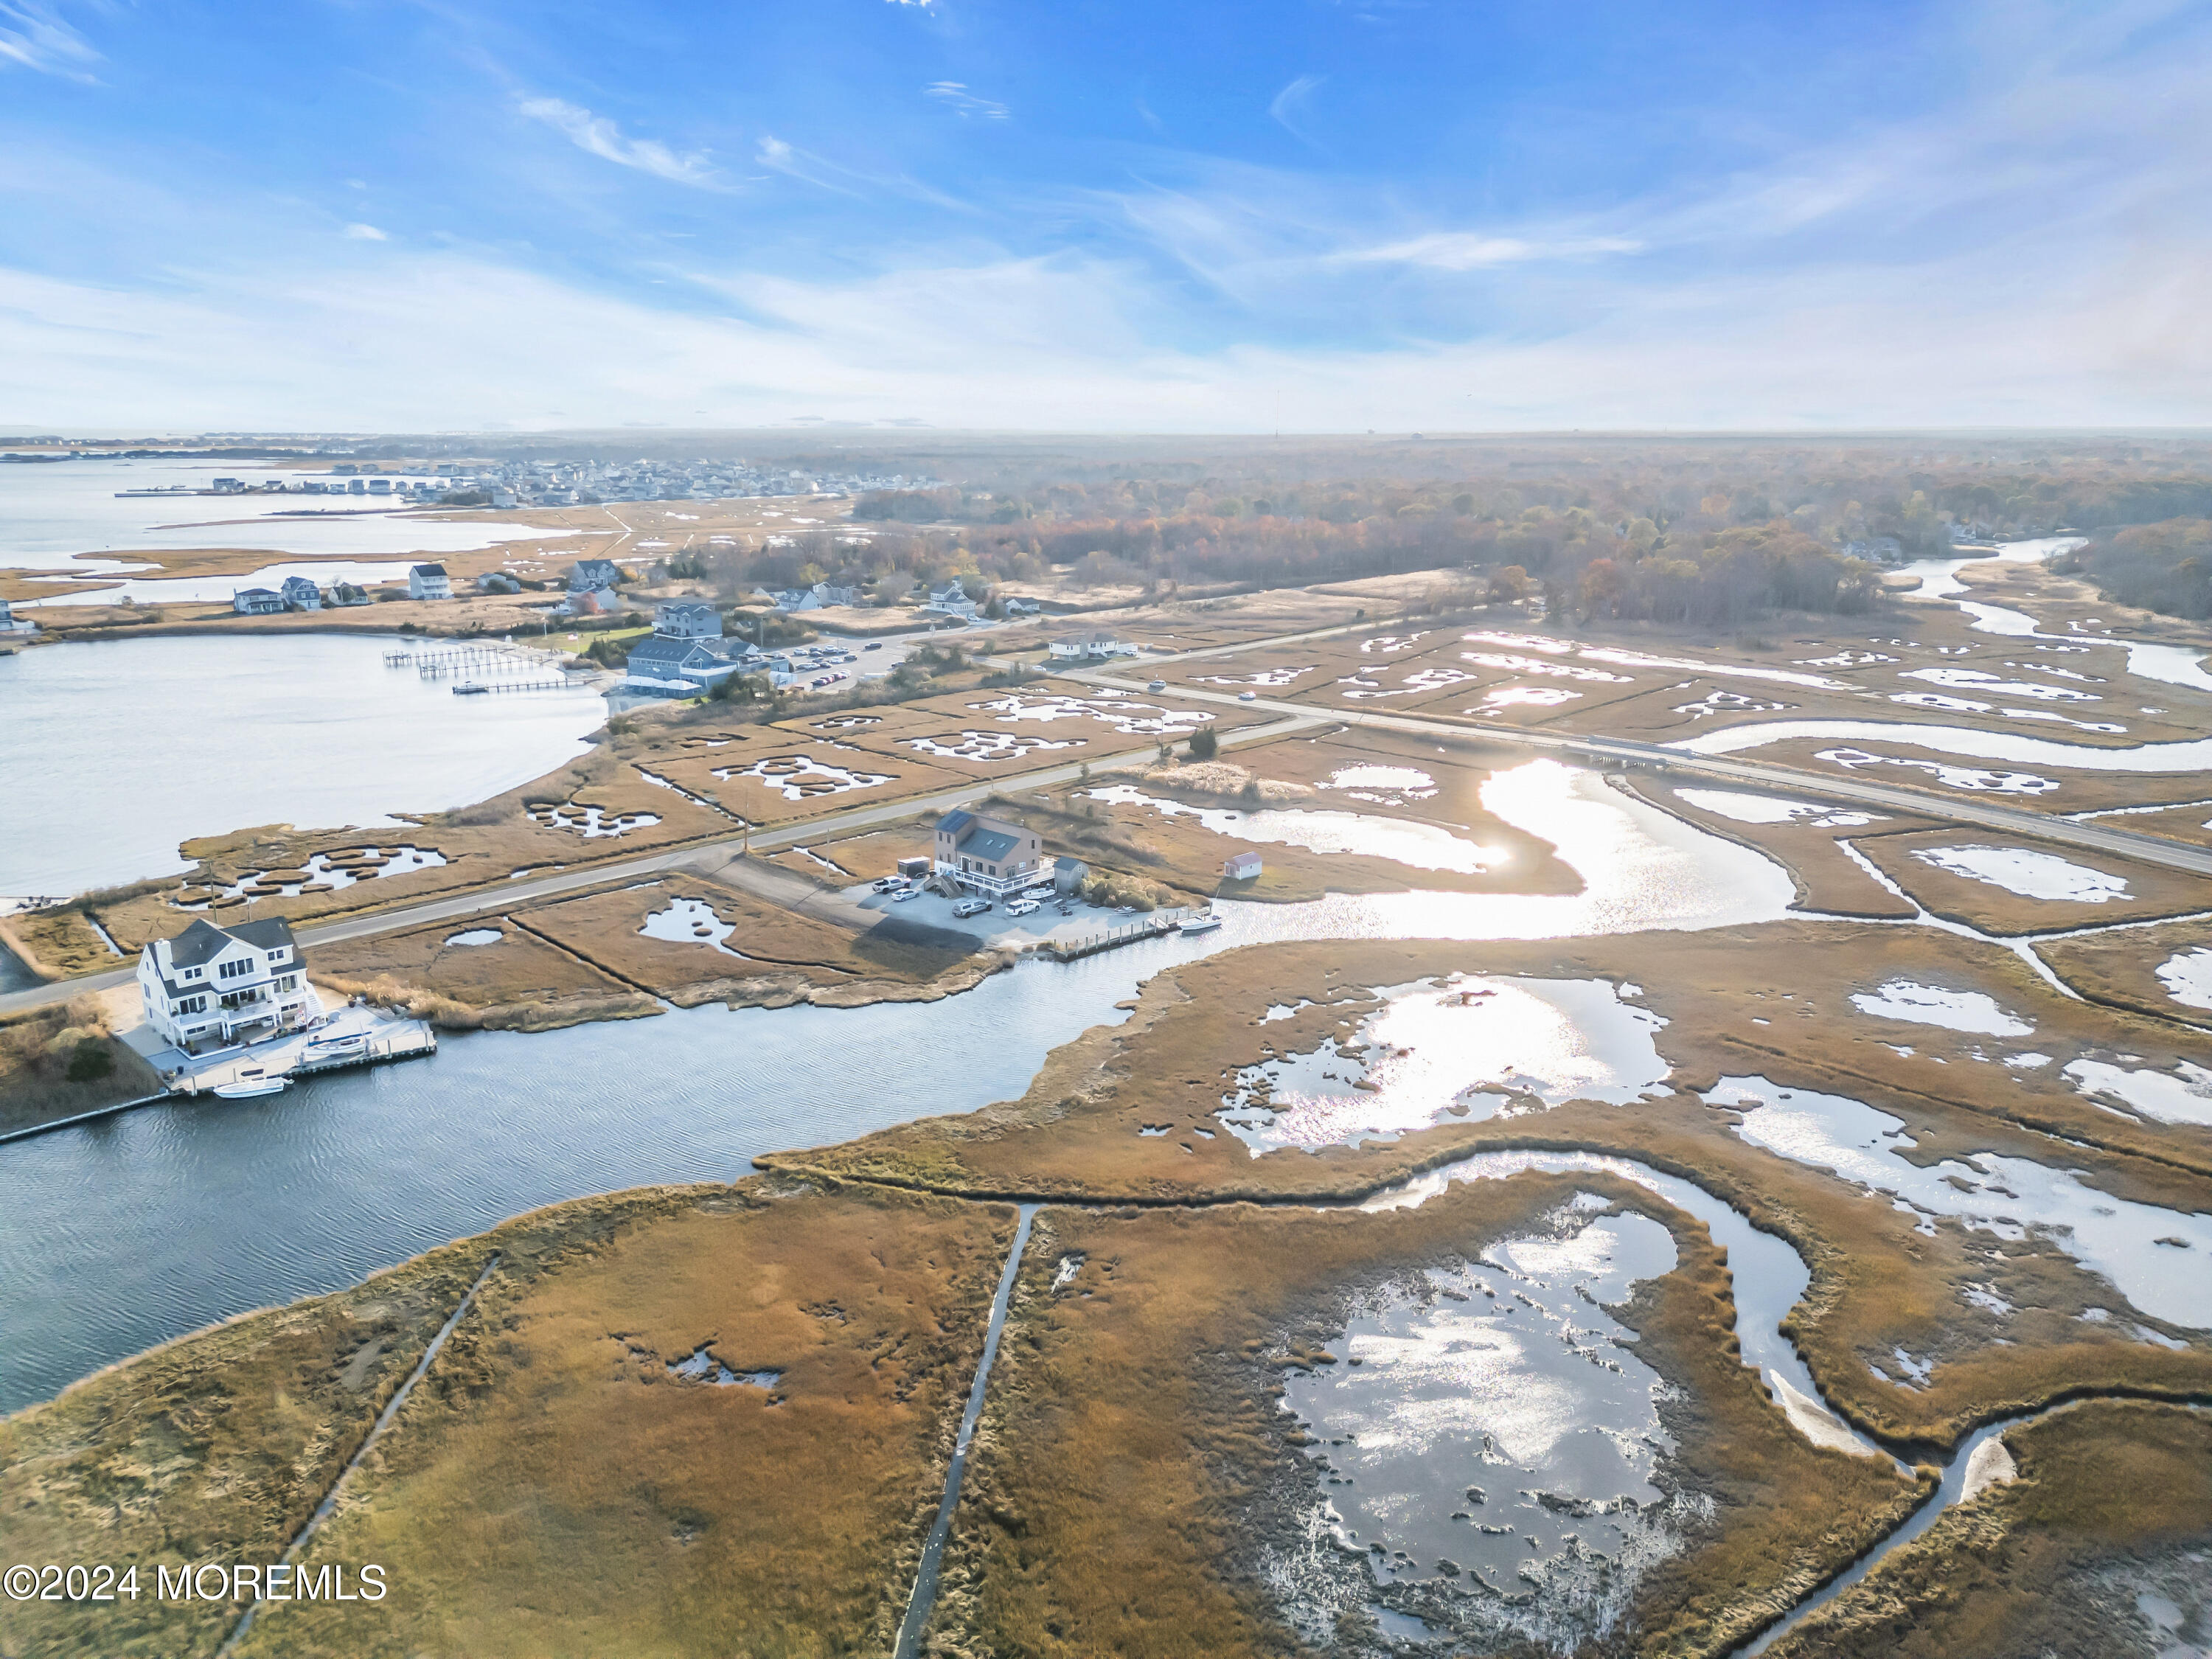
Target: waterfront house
{"x":990,"y":856}
{"x":1242,"y":866}
{"x":300,"y":594}
{"x":256,"y":601}
{"x":687,"y":619}
{"x":1092,"y":643}
{"x":429,"y":581}
{"x":212,"y":987}
{"x":665,"y":665}
{"x":497,"y":582}
{"x":1022,"y":607}
{"x":586,"y":574}
{"x":11,"y":623}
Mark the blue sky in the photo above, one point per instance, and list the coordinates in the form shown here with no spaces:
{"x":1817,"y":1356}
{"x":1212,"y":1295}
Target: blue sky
{"x":1314,"y":215}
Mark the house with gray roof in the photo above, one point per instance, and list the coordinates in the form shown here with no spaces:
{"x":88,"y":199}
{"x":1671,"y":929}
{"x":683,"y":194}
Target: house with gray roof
{"x":662,"y":665}
{"x":994,"y":857}
{"x":211,"y":986}
{"x":300,"y":594}
{"x":586,"y":574}
{"x":257,"y":601}
{"x":687,"y":619}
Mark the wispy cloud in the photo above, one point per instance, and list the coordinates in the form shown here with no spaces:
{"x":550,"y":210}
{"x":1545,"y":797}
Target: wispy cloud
{"x":1288,"y":107}
{"x":966,"y":104}
{"x":34,"y":36}
{"x":778,"y":156}
{"x":602,"y":139}
{"x":1471,"y":251}
{"x":365,"y":233}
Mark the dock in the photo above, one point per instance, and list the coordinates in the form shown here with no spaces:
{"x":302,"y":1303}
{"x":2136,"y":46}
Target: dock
{"x":479,"y":670}
{"x":364,"y":1044}
{"x":1160,"y":924}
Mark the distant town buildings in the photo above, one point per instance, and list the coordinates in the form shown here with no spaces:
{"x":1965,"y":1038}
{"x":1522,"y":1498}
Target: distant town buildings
{"x":217,"y":986}
{"x":429,"y":581}
{"x":988,"y":856}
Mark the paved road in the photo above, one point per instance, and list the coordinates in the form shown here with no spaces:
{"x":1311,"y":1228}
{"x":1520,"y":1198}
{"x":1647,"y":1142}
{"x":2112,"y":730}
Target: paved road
{"x":1294,"y":717}
{"x":2149,"y":849}
{"x":516,"y":893}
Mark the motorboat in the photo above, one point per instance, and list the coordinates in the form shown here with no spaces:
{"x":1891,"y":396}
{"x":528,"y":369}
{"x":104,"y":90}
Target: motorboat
{"x":471,"y":689}
{"x":252,"y":1088}
{"x":1205,"y":922}
{"x":336,"y":1047}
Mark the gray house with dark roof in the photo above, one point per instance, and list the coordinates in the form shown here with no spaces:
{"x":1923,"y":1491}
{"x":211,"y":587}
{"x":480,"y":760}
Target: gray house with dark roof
{"x":661,"y":665}
{"x":990,"y":856}
{"x":217,"y":986}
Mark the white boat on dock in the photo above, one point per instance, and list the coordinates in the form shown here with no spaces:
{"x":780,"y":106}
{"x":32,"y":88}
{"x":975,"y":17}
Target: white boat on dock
{"x":250,"y":1088}
{"x":1205,"y":922}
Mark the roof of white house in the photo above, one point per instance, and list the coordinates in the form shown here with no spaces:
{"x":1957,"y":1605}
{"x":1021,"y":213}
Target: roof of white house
{"x":429,"y":570}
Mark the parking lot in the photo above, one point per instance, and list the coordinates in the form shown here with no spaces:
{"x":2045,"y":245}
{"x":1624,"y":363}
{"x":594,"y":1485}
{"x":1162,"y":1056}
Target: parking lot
{"x":995,"y":925}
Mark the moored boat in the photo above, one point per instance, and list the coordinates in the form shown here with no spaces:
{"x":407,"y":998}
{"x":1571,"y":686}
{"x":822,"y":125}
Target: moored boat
{"x":1205,"y":922}
{"x":252,"y":1088}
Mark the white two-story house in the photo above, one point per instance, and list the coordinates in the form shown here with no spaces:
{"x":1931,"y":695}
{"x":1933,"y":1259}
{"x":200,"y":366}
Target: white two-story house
{"x":210,"y":987}
{"x":989,"y":856}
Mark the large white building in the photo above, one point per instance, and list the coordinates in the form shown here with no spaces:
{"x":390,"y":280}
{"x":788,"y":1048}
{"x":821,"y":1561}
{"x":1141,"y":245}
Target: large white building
{"x":213,"y":985}
{"x":429,"y":581}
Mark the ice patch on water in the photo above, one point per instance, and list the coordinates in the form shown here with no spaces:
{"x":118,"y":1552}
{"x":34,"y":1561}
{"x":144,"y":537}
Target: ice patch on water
{"x":1995,"y":685}
{"x":2030,"y":874}
{"x":2181,"y":1096}
{"x":2011,"y":1197}
{"x":689,"y":921}
{"x":1952,"y":777}
{"x":1771,"y":809}
{"x":1931,"y":1005}
{"x":1463,"y":1050}
{"x":1496,"y":1444}
{"x":1404,"y":841}
{"x":2187,"y":977}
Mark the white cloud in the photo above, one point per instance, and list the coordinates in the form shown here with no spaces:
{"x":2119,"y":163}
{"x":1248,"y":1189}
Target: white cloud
{"x":602,"y":139}
{"x":955,"y":97}
{"x":365,"y":233}
{"x":34,"y":36}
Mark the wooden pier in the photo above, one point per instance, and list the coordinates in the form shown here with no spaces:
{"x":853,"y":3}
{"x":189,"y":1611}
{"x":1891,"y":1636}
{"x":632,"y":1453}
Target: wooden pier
{"x":1158,"y":925}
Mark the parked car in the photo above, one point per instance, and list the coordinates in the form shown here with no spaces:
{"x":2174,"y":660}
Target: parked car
{"x":905,"y":894}
{"x":874,"y":645}
{"x":1022,"y":906}
{"x":890,"y":883}
{"x":971,"y":907}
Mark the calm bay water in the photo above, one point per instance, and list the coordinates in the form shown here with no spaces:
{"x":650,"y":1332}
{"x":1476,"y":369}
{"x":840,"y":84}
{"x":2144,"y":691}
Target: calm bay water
{"x":53,"y":510}
{"x":114,"y":752}
{"x":117,"y":1235}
